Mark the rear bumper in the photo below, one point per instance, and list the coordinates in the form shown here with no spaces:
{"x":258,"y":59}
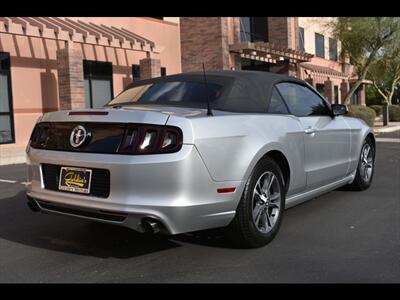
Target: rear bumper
{"x":175,"y":189}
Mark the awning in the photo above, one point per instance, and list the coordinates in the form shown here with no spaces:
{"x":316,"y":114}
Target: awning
{"x":268,"y":52}
{"x":323,"y":70}
{"x":70,"y":31}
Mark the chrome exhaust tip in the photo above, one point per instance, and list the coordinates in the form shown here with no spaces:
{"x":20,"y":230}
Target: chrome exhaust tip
{"x":150,"y":226}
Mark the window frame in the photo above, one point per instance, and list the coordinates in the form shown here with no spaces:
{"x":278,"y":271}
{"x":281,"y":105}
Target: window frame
{"x":305,"y":85}
{"x":10,"y":112}
{"x":100,"y":77}
{"x":316,"y":34}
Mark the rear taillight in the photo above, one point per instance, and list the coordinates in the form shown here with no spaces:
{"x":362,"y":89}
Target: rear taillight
{"x":40,"y":134}
{"x":150,"y":139}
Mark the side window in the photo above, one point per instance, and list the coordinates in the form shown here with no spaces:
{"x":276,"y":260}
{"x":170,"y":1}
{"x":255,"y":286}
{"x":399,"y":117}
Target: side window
{"x":276,"y":105}
{"x":302,"y":101}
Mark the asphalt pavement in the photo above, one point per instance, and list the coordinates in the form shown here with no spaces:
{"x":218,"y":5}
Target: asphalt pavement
{"x":340,"y":237}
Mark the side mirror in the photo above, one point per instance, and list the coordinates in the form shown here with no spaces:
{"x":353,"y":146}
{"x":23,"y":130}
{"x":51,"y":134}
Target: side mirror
{"x":339,"y":109}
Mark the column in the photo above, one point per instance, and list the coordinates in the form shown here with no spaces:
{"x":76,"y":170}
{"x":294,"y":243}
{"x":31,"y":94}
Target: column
{"x":328,"y":90}
{"x":150,"y":68}
{"x":71,"y":91}
{"x":344,"y":89}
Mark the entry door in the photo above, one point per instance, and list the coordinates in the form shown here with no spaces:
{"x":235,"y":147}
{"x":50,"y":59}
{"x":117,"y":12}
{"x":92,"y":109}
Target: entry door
{"x":326,"y":139}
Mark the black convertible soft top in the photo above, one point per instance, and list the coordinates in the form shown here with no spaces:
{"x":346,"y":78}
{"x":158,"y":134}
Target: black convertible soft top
{"x":243,"y":91}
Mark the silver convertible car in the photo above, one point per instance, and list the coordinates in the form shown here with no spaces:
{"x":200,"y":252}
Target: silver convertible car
{"x":194,"y":151}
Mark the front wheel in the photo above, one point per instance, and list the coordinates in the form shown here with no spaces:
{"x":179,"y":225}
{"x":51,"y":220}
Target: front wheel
{"x":365,"y":168}
{"x":259,"y":213}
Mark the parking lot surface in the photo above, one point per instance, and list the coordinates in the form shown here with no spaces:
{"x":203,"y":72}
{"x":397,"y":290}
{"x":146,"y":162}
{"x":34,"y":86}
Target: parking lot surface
{"x":342,"y":236}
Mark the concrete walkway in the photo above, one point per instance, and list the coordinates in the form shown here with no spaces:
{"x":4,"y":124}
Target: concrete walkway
{"x":391,"y":127}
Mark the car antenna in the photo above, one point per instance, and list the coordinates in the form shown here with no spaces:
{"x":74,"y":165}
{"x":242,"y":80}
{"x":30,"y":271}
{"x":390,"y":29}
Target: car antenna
{"x":209,"y":111}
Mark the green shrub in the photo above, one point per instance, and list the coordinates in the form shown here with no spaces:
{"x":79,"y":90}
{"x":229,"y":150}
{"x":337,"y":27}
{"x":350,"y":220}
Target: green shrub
{"x":377,"y":109}
{"x":394,"y":113}
{"x":362,"y":112}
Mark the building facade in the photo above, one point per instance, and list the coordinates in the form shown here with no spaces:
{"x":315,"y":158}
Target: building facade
{"x":297,"y":46}
{"x":49,"y":64}
{"x":56,"y":63}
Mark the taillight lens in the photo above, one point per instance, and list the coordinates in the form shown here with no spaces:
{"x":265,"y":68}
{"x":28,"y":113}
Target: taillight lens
{"x":40,"y":135}
{"x":151,"y":139}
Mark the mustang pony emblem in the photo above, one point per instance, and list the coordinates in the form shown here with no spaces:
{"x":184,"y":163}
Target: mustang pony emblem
{"x":78,"y":136}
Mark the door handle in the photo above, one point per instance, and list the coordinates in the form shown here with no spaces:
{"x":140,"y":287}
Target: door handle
{"x":310,"y":130}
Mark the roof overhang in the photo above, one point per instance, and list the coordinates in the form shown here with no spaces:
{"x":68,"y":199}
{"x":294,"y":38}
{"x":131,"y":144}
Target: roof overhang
{"x":71,"y":31}
{"x":268,"y":52}
{"x":322,"y":70}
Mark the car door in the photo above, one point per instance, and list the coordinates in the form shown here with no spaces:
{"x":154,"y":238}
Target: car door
{"x":326,"y":138}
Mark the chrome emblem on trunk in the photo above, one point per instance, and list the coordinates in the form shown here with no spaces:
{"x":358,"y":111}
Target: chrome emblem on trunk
{"x":78,"y":136}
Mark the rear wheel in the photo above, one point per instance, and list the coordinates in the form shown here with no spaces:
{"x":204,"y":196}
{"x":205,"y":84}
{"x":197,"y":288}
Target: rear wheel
{"x":365,"y":168}
{"x":259,"y":213}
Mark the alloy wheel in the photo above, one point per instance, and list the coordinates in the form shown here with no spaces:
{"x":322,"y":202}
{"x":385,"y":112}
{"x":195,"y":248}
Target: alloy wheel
{"x":266,"y":202}
{"x":367,"y":162}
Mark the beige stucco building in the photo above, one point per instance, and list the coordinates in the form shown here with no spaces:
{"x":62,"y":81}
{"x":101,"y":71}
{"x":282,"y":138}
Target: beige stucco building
{"x":48,"y":64}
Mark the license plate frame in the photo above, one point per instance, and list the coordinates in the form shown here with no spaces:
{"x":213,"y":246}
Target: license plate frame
{"x":75,"y":180}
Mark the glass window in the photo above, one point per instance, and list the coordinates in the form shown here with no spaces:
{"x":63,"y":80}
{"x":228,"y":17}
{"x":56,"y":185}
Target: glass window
{"x":301,"y":40}
{"x":253,"y":29}
{"x":277,"y":105}
{"x":6,"y":113}
{"x":163,"y":71}
{"x":332,"y":49}
{"x":173,"y":92}
{"x":136,"y":72}
{"x":245,"y":29}
{"x":319,"y":45}
{"x":302,"y":101}
{"x":97,"y":83}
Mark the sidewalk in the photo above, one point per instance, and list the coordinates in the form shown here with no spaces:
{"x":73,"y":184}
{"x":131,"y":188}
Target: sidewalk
{"x":391,"y":127}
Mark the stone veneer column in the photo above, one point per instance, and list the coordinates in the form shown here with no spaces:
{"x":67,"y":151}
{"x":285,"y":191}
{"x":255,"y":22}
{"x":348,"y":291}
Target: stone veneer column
{"x":344,"y":89}
{"x":328,"y":90}
{"x":150,"y":68}
{"x":70,"y":78}
{"x":207,"y":39}
{"x":283,"y":31}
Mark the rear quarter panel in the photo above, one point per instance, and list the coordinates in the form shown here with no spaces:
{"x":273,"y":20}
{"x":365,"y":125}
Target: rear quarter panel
{"x":231,"y":145}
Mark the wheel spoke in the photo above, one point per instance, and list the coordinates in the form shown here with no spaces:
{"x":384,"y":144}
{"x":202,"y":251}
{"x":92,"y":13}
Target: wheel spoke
{"x":266,"y":183}
{"x":265,"y":220}
{"x":257,"y":212}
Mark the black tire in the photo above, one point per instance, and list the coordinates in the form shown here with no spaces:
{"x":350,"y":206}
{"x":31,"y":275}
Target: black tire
{"x":359,"y":183}
{"x":242,"y":229}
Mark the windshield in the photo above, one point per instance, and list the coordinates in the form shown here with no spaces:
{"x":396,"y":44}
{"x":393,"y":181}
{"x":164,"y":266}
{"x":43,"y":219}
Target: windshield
{"x":171,"y":92}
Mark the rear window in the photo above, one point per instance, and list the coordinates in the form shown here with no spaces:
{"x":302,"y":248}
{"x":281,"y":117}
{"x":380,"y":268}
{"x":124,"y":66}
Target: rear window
{"x":171,"y":92}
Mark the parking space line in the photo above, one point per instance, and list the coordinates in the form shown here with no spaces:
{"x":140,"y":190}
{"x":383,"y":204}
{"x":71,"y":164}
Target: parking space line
{"x":388,"y":140}
{"x":8,"y":181}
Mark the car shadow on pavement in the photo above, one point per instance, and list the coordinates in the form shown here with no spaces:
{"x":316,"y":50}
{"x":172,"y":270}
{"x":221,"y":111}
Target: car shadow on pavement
{"x":18,"y":224}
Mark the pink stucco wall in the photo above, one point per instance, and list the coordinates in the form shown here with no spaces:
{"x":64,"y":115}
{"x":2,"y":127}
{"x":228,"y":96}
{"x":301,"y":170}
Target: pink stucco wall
{"x":34,"y":67}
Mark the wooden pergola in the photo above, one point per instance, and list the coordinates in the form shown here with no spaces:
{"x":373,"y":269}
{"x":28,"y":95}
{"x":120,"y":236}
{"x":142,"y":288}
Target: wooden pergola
{"x":268,"y":52}
{"x":71,"y":31}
